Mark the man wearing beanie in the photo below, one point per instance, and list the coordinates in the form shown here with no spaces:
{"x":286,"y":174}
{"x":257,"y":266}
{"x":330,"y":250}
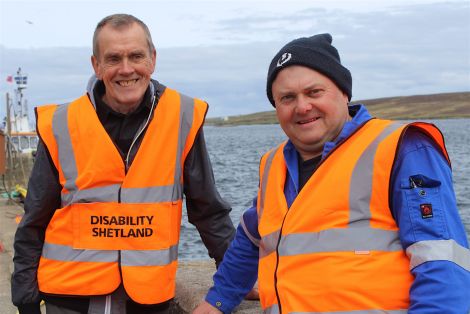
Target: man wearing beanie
{"x":354,"y":214}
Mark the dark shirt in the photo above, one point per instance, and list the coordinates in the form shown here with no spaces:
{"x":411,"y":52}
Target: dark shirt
{"x":122,"y":128}
{"x":206,"y":209}
{"x":306,"y":169}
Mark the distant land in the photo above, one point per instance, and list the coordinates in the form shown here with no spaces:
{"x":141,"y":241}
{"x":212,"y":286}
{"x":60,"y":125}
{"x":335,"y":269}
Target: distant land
{"x":435,"y":106}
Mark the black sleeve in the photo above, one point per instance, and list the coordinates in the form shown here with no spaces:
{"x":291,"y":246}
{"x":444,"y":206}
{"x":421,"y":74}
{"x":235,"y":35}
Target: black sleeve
{"x":42,"y":199}
{"x":206,"y":208}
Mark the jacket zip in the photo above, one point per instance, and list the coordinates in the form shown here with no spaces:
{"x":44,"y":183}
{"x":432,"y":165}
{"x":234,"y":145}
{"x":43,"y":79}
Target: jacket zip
{"x":277,"y":264}
{"x":126,"y":168}
{"x":140,"y":132}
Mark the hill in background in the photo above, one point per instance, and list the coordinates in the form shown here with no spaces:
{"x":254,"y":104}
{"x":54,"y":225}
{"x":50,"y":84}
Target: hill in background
{"x":436,"y":106}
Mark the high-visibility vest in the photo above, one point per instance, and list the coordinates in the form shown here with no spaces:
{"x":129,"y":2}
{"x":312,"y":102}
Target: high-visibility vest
{"x":116,"y":225}
{"x":337,"y":248}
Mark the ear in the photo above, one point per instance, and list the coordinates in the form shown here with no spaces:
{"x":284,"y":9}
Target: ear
{"x":154,"y":59}
{"x":346,"y":98}
{"x":96,"y":66}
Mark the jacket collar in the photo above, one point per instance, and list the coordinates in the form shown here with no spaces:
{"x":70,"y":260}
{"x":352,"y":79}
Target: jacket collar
{"x":94,"y":81}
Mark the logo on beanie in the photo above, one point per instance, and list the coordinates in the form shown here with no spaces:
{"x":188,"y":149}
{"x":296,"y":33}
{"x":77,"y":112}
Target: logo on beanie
{"x":284,"y":58}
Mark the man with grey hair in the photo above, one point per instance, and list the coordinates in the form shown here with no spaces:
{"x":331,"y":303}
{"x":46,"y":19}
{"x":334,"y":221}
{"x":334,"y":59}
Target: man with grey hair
{"x":103,"y":210}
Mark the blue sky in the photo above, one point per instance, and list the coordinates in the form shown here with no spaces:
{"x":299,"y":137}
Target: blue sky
{"x":220,"y":50}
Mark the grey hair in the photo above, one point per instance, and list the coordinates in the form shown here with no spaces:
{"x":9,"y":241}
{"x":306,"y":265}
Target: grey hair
{"x":118,"y":21}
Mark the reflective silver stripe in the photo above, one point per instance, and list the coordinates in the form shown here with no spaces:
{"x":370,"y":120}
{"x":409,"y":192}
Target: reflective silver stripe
{"x":149,"y":257}
{"x":153,"y":194}
{"x":340,"y":240}
{"x":357,"y":312}
{"x":268,"y":243}
{"x":101,"y":194}
{"x":254,"y":240}
{"x":60,"y":252}
{"x":61,"y":133}
{"x":438,"y":250}
{"x":264,"y":181}
{"x":186,"y":120}
{"x":274,"y":309}
{"x":361,"y":181}
{"x":129,"y":195}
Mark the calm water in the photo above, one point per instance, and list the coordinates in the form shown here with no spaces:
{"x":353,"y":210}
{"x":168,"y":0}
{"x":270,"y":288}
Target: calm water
{"x":235,"y":153}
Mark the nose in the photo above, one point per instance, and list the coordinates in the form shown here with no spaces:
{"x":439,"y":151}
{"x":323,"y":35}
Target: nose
{"x":303,"y":105}
{"x":126,"y":67}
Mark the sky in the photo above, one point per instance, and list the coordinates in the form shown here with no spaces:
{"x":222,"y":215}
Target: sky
{"x":220,"y":50}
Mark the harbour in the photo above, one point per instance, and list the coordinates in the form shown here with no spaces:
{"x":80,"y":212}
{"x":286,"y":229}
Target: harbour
{"x":235,"y":152}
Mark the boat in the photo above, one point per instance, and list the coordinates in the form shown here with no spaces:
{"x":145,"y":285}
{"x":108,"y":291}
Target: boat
{"x":19,"y":141}
{"x":19,"y":131}
{"x":24,"y":142}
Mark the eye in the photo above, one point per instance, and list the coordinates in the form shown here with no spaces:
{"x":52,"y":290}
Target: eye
{"x":287,"y":98}
{"x":137,"y":57}
{"x":315,"y":92}
{"x":112,"y":59}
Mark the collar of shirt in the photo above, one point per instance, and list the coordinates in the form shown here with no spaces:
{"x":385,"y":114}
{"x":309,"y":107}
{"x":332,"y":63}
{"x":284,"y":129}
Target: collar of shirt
{"x":306,"y":169}
{"x":359,"y":115}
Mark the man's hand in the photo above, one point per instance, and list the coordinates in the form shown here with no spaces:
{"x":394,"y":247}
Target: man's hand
{"x":206,"y":308}
{"x":253,"y":294}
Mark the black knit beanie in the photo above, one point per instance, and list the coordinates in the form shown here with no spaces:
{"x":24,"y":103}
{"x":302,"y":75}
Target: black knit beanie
{"x":314,"y":52}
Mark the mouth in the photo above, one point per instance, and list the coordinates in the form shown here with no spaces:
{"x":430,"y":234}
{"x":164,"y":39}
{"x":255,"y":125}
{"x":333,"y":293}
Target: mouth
{"x":308,"y":120}
{"x":127,"y":83}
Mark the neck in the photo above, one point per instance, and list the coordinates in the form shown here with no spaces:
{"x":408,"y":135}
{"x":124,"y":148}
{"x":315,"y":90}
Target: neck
{"x":318,"y":150}
{"x":124,"y":109}
{"x":306,"y":156}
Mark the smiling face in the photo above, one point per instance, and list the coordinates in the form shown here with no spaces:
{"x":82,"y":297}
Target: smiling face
{"x":125,"y":63}
{"x":310,"y":108}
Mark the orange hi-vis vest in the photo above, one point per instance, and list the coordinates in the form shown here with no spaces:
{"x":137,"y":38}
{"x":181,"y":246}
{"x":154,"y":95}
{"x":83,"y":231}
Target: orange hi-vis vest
{"x":116,"y":225}
{"x":336,"y":249}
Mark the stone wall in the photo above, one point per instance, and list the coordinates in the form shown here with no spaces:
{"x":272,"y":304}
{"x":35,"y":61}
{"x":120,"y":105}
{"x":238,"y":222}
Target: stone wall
{"x":193,"y":280}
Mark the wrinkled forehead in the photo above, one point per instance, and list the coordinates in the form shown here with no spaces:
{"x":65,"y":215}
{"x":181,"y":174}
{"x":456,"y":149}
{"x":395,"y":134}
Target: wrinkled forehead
{"x":113,"y":35}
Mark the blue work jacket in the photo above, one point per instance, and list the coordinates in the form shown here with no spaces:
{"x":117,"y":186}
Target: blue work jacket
{"x":440,"y":286}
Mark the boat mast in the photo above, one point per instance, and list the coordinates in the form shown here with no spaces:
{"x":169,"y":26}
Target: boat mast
{"x":21,"y":119}
{"x":17,"y":122}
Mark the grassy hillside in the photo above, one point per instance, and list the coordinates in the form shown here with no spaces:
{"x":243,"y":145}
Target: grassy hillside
{"x":436,"y":106}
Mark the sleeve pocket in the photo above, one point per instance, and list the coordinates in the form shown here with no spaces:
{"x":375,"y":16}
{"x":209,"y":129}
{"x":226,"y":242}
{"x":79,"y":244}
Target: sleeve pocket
{"x":425,"y":207}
